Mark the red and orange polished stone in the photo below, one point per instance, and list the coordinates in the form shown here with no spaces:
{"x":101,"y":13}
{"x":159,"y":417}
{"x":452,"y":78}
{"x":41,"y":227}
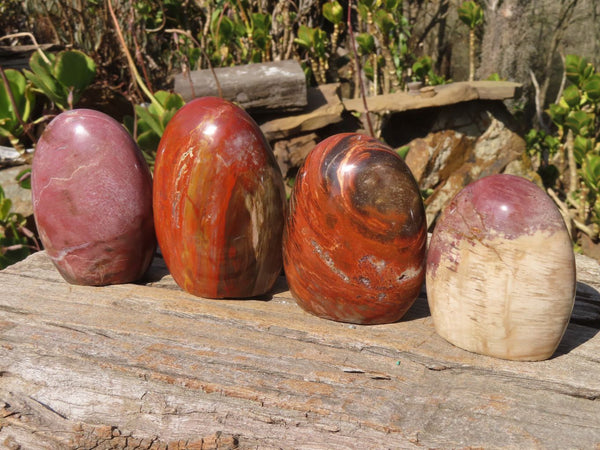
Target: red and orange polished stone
{"x":355,"y":237}
{"x":219,"y":202}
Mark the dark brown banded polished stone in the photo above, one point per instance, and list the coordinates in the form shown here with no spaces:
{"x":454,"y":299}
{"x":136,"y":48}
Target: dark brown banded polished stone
{"x":355,"y":236}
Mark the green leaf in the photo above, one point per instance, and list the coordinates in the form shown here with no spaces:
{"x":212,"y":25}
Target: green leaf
{"x":74,"y":69}
{"x":422,"y":67}
{"x":174,"y":101}
{"x":471,"y":14}
{"x":41,"y":76}
{"x":558,"y":113}
{"x":581,"y":147}
{"x":166,"y":117}
{"x":148,"y":141}
{"x":5,"y":207}
{"x":366,"y":43}
{"x":385,"y":21}
{"x":261,"y":26}
{"x":17,"y":85}
{"x":403,"y":151}
{"x":149,"y":119}
{"x":590,"y":171}
{"x":320,"y":42}
{"x":23,"y":178}
{"x":306,"y":36}
{"x":579,"y":122}
{"x":333,"y":12}
{"x":591,"y":88}
{"x":391,"y":5}
{"x":577,"y":69}
{"x":368,"y":4}
{"x":223,"y":29}
{"x":572,"y":96}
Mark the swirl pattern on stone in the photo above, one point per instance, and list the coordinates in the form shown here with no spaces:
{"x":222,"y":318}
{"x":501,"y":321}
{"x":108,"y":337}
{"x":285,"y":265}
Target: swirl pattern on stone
{"x":355,"y":236}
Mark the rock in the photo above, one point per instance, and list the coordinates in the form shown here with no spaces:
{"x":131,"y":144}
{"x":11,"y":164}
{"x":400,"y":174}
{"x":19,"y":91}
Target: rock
{"x":468,"y":141}
{"x":355,"y":236}
{"x":20,"y":197}
{"x":443,"y":95}
{"x":291,"y":153}
{"x":437,"y":156}
{"x":219,"y":202}
{"x":92,"y":199}
{"x":501,"y":270}
{"x":324,"y":108}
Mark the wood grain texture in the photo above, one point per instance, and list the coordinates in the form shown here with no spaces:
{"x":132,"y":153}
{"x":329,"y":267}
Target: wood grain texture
{"x":276,"y":85}
{"x":442,"y":95}
{"x":149,"y":366}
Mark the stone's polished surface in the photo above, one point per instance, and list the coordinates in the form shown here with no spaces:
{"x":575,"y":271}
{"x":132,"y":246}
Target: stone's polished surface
{"x":501,"y":270}
{"x":355,"y":236}
{"x":219,"y":202}
{"x":92,"y":199}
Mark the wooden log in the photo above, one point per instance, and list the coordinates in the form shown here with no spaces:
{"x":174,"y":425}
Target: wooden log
{"x":148,"y":366}
{"x":277,"y":85}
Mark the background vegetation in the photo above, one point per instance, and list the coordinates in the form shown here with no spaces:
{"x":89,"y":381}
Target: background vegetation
{"x":123,"y":64}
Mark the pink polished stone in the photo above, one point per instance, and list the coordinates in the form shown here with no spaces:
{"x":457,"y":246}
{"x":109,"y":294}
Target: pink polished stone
{"x":501,"y":270}
{"x":92,"y":199}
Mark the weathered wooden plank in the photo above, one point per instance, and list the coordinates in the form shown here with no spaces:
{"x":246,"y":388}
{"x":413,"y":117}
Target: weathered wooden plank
{"x":442,"y":95}
{"x":276,"y":85}
{"x":122,"y":365}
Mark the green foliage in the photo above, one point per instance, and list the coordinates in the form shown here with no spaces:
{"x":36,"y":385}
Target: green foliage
{"x":577,"y":120}
{"x":471,"y":14}
{"x":495,"y":77}
{"x":14,"y":244}
{"x":152,"y":121}
{"x":314,"y":41}
{"x":403,"y":151}
{"x":333,"y":12}
{"x":366,"y":43}
{"x":24,"y":100}
{"x":62,"y":77}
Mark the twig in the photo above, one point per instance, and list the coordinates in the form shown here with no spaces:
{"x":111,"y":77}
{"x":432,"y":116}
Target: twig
{"x":563,"y":81}
{"x":35,"y":43}
{"x":538,"y":106}
{"x":132,"y":67}
{"x":164,"y":20}
{"x":571,"y":160}
{"x":568,"y":216}
{"x":138,"y":53}
{"x":210,"y":66}
{"x":358,"y":69}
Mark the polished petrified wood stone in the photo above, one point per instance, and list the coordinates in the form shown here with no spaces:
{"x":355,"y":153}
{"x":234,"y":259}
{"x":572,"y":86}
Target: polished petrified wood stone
{"x":355,"y":237}
{"x":501,"y":270}
{"x":219,"y":202}
{"x":92,"y":199}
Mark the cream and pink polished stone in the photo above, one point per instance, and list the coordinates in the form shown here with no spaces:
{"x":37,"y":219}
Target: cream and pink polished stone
{"x":501,"y":270}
